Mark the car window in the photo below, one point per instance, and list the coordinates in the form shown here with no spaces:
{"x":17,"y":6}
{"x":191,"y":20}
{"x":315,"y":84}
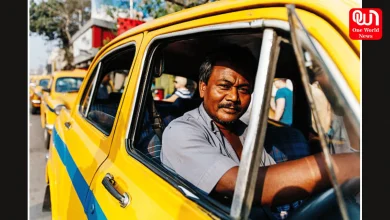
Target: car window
{"x":104,"y":91}
{"x":68,"y":84}
{"x":334,"y":109}
{"x":282,"y":89}
{"x":332,"y":112}
{"x":44,"y":83}
{"x":161,"y":99}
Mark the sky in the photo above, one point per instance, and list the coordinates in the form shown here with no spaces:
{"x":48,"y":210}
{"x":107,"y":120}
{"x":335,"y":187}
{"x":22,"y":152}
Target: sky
{"x":39,"y":50}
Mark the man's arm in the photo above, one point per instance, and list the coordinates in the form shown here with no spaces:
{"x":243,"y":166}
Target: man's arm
{"x":272,"y":104}
{"x":280,"y":103}
{"x":171,"y":98}
{"x":293,"y":180}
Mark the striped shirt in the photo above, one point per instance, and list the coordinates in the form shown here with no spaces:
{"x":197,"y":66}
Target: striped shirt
{"x":183,"y":93}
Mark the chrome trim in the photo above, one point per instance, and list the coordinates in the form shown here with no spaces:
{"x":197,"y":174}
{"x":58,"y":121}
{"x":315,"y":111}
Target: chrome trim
{"x":253,"y":146}
{"x":49,"y":127}
{"x":125,"y":200}
{"x":93,"y":88}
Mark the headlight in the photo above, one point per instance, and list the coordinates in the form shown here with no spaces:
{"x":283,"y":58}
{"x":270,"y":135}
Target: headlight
{"x":58,"y":109}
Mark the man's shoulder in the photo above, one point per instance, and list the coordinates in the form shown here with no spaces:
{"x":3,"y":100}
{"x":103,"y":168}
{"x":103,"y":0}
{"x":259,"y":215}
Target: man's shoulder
{"x":189,"y":119}
{"x":283,"y":92}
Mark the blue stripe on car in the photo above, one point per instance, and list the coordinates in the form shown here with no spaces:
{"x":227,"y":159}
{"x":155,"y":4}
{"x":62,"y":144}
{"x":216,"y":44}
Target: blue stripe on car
{"x":81,"y":186}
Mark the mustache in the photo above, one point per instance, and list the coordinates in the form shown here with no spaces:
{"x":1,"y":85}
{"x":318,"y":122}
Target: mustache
{"x":230,"y":105}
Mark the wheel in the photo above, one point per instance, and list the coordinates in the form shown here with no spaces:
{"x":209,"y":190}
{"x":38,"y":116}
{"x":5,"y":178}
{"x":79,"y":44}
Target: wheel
{"x":46,"y":206}
{"x":34,"y":110}
{"x":325,"y":206}
{"x":46,"y":138}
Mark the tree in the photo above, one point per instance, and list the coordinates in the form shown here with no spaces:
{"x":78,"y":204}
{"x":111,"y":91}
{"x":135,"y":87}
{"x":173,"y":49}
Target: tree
{"x":159,"y":8}
{"x":59,"y":20}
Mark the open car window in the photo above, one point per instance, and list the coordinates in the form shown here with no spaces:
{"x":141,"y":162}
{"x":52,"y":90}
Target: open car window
{"x":334,"y":110}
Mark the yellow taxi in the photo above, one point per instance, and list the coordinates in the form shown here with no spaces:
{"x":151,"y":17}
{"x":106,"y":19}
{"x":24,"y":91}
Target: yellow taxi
{"x":32,"y":84}
{"x":40,"y":83}
{"x":59,"y":94}
{"x":104,"y":156}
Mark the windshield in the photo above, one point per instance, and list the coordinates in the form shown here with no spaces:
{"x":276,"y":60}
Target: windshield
{"x":44,"y":83}
{"x":68,"y":84}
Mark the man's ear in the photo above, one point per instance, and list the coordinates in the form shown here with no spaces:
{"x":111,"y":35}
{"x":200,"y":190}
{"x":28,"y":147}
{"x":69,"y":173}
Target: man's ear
{"x":202,"y":88}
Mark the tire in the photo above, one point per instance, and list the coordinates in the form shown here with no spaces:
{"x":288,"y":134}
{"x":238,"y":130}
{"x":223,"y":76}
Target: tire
{"x":46,"y":206}
{"x":34,"y":110}
{"x":46,"y":138}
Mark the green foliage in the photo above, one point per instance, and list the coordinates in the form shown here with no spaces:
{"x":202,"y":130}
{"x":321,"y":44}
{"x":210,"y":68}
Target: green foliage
{"x":59,"y":20}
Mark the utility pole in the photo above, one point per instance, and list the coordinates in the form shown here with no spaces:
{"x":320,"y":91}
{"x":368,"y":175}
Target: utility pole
{"x":131,"y":9}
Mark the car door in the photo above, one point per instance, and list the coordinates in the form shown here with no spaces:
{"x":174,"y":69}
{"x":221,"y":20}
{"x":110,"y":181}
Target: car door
{"x":127,"y":186}
{"x":82,"y":137}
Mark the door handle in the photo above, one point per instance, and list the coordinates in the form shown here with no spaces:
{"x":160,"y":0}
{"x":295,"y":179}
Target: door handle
{"x":109,"y":183}
{"x":67,"y":124}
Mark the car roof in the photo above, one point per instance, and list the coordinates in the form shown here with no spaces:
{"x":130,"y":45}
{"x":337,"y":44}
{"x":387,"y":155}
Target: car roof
{"x":43,"y":77}
{"x":70,"y":73}
{"x":334,"y":11}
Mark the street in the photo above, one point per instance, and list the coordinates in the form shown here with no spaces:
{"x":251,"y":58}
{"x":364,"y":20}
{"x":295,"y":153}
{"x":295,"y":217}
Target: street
{"x":37,"y":170}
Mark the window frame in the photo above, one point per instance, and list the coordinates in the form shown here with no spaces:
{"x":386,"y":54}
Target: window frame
{"x":94,"y":79}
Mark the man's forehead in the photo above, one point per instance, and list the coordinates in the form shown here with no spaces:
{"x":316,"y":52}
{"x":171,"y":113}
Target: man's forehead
{"x":225,"y":69}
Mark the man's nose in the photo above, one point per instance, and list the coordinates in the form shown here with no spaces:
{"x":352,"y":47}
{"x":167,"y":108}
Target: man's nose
{"x":232,"y":95}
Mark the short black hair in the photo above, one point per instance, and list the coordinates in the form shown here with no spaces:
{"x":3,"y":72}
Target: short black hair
{"x":240,"y":57}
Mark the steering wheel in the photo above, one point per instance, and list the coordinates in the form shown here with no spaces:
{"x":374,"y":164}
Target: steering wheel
{"x":325,"y":206}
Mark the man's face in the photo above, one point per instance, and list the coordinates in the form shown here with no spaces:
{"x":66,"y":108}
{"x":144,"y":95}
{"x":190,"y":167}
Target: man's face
{"x":227,"y":94}
{"x":277,"y":84}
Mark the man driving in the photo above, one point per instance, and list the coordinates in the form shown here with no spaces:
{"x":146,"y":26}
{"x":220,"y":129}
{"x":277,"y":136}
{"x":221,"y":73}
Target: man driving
{"x":205,"y":144}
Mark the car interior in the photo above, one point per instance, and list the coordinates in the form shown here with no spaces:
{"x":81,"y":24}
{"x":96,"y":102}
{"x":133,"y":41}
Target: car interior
{"x":182,"y":57}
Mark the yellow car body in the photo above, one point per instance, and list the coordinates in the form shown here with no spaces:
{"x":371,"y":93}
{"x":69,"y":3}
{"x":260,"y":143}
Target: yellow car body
{"x":55,"y":97}
{"x":32,"y":84}
{"x":40,"y":82}
{"x":81,"y":155}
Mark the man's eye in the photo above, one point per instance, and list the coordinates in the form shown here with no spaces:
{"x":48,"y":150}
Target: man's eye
{"x":224,"y":86}
{"x":245,"y":90}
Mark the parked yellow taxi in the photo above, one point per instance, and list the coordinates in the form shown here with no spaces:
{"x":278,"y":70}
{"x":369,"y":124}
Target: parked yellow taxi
{"x":40,"y":83}
{"x":32,"y":84}
{"x":104,"y":155}
{"x":61,"y":94}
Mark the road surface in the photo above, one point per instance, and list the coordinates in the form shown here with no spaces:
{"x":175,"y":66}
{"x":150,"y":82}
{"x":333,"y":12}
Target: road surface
{"x":37,"y":170}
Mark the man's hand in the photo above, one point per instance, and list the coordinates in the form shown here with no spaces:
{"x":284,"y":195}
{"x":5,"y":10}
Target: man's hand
{"x":294,"y":180}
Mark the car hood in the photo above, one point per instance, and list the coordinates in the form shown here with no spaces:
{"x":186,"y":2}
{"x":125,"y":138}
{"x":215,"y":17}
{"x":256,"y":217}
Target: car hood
{"x":67,"y":99}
